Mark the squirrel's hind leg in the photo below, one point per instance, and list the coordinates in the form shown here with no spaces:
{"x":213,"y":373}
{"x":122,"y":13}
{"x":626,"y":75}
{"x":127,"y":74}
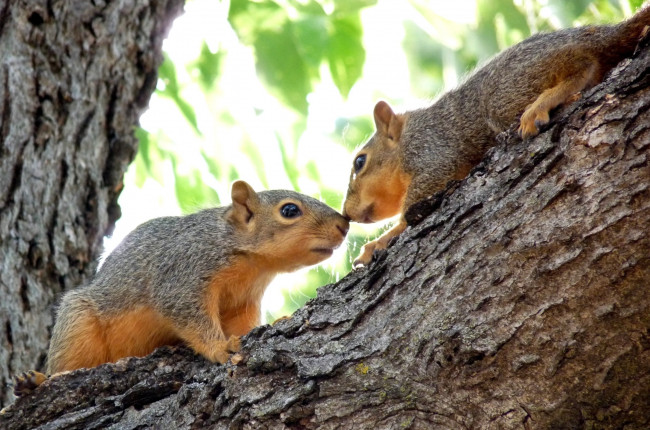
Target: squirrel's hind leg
{"x":78,"y":339}
{"x":536,"y":114}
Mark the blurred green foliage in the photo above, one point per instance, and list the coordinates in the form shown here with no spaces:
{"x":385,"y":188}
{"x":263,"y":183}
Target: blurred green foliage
{"x":296,"y":47}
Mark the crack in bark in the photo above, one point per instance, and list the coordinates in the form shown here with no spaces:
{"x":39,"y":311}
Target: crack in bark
{"x":83,"y":128}
{"x":4,"y":15}
{"x":5,"y":125}
{"x":16,"y":177}
{"x":146,"y":393}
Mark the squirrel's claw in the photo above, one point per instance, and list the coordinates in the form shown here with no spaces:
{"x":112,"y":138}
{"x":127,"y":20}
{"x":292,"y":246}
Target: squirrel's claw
{"x":533,"y":118}
{"x":27,"y":382}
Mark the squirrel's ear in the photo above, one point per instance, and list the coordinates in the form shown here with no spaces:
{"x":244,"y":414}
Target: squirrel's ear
{"x":244,"y":203}
{"x":387,"y":122}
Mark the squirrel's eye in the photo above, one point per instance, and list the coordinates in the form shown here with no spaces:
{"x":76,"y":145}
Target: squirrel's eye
{"x":290,"y":211}
{"x":359,"y":162}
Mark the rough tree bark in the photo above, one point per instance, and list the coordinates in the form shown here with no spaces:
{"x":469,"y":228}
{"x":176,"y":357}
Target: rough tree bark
{"x":518,"y":298}
{"x":74,"y":78}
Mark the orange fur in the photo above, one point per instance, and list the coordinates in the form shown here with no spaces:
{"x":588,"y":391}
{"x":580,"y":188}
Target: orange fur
{"x":239,"y":321}
{"x":210,"y":344}
{"x":137,"y":333}
{"x":378,"y":192}
{"x":537,"y":113}
{"x":386,"y":194}
{"x":93,"y":341}
{"x":234,"y":294}
{"x":85,"y":345}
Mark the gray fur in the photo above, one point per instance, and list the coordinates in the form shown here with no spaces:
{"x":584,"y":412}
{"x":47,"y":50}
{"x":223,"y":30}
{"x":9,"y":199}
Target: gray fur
{"x":443,"y":141}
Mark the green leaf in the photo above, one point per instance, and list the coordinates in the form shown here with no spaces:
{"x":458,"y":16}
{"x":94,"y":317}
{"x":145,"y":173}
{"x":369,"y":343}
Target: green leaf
{"x":333,"y":198}
{"x":281,"y":67}
{"x":214,"y":167}
{"x":346,"y":54}
{"x":297,"y":297}
{"x":289,"y":164}
{"x":249,"y":18}
{"x":253,"y":154}
{"x":568,"y":11}
{"x":188,"y":112}
{"x":191,"y":191}
{"x":312,"y":171}
{"x":513,"y":16}
{"x":207,"y":65}
{"x":141,"y":171}
{"x":424,"y":56}
{"x":149,"y":158}
{"x":311,"y":7}
{"x":348,"y":6}
{"x":635,"y":4}
{"x":491,"y":13}
{"x":142,"y":159}
{"x":354,"y":131}
{"x":143,"y":145}
{"x":233,"y":175}
{"x":312,"y":36}
{"x":167,"y":73}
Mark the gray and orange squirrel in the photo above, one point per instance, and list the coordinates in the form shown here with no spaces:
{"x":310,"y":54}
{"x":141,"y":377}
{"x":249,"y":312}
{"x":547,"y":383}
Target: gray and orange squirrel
{"x":413,"y":155}
{"x":197,"y":279}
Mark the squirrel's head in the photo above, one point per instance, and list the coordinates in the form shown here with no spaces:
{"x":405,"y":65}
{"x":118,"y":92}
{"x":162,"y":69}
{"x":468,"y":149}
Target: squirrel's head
{"x":378,"y":182}
{"x":286,"y":229}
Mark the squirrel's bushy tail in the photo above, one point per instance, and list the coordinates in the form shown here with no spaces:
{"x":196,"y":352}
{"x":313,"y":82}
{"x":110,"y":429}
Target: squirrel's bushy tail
{"x":629,"y":31}
{"x":612,"y":43}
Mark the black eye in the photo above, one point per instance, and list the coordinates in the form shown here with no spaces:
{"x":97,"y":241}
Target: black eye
{"x":290,"y":211}
{"x":359,"y":162}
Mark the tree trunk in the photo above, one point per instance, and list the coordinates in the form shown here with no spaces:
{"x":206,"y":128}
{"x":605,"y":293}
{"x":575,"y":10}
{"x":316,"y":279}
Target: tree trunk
{"x":74,"y":78}
{"x":518,"y":298}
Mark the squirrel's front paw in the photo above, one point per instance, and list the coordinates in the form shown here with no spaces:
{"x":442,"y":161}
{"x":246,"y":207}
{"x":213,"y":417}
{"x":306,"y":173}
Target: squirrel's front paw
{"x":26,"y":382}
{"x":532,"y":119}
{"x":234,"y":344}
{"x":366,"y":254}
{"x":222,"y":349}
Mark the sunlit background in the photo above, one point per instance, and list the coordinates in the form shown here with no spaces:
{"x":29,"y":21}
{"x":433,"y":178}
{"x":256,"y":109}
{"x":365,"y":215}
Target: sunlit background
{"x":280,"y":93}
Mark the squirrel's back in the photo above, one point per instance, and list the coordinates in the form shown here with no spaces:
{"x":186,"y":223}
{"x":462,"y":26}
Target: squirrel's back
{"x":150,"y":256}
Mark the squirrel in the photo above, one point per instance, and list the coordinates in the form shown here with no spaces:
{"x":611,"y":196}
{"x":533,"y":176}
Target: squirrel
{"x":197,"y":279}
{"x":414,"y":154}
